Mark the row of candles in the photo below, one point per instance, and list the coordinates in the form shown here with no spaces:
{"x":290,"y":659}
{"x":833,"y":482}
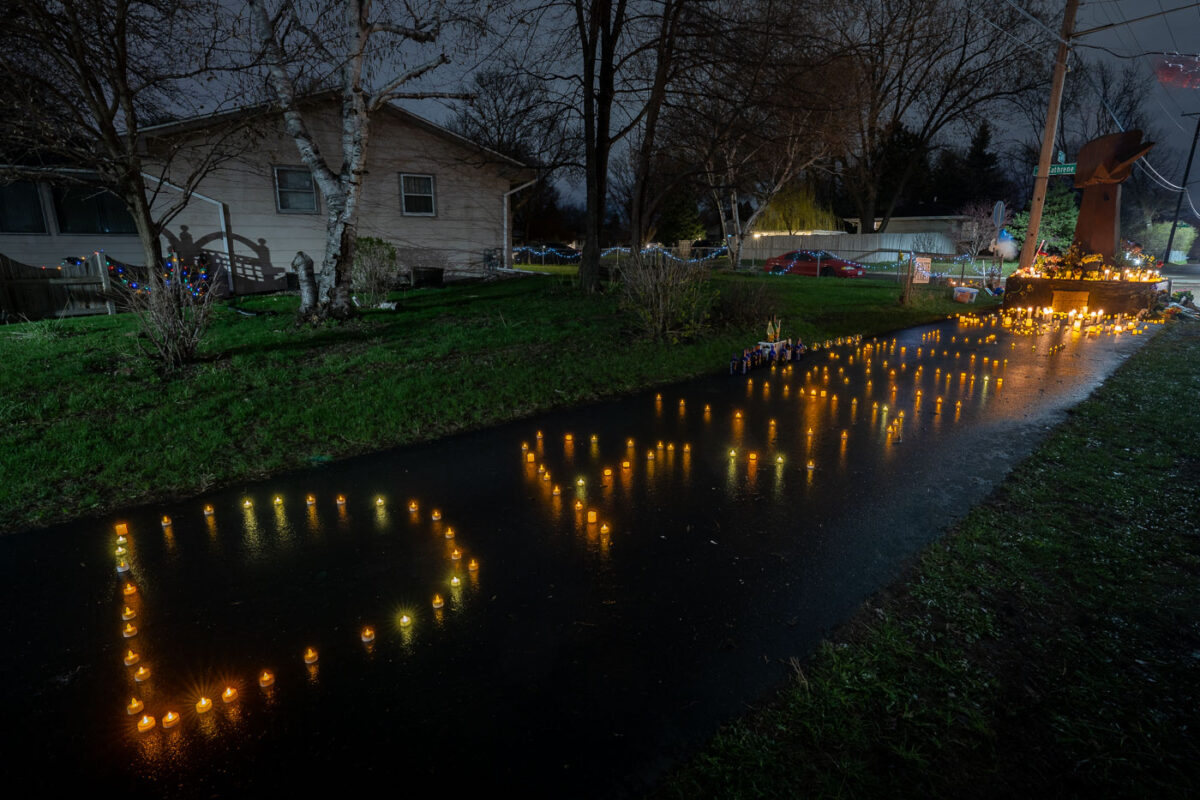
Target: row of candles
{"x":141,"y":672}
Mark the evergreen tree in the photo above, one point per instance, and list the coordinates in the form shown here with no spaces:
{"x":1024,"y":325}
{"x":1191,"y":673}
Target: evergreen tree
{"x":1058,"y":217}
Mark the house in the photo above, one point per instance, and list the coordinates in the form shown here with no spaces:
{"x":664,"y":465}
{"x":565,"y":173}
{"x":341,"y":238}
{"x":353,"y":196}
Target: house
{"x":442,"y":200}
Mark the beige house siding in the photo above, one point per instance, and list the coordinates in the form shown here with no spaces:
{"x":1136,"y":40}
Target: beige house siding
{"x":469,"y":200}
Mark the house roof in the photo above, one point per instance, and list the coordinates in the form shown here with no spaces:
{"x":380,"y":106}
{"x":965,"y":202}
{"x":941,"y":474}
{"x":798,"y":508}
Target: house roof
{"x":270,"y":108}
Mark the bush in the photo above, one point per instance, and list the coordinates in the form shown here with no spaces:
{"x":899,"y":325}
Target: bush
{"x":174,"y":309}
{"x":746,"y":303}
{"x":374,"y":272}
{"x":670,"y":299}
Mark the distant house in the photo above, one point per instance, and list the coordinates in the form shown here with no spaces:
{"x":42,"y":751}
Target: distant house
{"x":441,"y":199}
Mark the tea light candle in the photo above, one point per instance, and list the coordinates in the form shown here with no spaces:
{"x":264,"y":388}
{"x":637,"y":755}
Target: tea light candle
{"x":473,"y":565}
{"x":129,"y":589}
{"x":436,"y":515}
{"x":266,"y":678}
{"x":310,"y":656}
{"x":412,"y":506}
{"x":405,"y":620}
{"x":129,"y":631}
{"x":449,"y":533}
{"x":278,"y":500}
{"x":203,"y":705}
{"x":341,"y":500}
{"x":208,"y":512}
{"x":170,"y":720}
{"x":437,"y":601}
{"x":310,"y":500}
{"x":166,"y":521}
{"x":141,"y":674}
{"x":229,"y":695}
{"x":131,"y":658}
{"x":134,"y":707}
{"x":122,"y":567}
{"x":456,"y":582}
{"x":591,"y":516}
{"x":367,"y":635}
{"x":145,"y":723}
{"x":246,"y":503}
{"x":378,"y":501}
{"x":455,"y":554}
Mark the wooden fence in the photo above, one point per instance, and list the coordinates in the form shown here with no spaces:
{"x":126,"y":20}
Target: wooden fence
{"x":73,"y":289}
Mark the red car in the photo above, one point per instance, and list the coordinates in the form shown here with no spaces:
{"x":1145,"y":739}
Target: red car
{"x":814,"y":262}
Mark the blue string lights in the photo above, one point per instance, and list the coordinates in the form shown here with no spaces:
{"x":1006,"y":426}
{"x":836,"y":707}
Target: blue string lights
{"x":572,"y":255}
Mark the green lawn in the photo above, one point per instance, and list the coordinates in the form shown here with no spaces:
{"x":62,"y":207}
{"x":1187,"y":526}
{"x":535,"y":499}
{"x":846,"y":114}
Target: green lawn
{"x":87,"y":424}
{"x":1047,"y":647}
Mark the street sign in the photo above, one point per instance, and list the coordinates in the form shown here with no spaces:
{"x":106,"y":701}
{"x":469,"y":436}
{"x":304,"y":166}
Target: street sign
{"x":1059,"y":169}
{"x":922,"y":268}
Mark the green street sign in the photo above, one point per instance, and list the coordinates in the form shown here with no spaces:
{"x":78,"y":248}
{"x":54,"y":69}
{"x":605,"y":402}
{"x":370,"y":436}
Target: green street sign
{"x":1059,"y":169}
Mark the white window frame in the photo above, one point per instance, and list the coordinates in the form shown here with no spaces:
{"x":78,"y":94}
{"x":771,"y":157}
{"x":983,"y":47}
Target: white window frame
{"x":432,"y":194}
{"x":279,"y":209}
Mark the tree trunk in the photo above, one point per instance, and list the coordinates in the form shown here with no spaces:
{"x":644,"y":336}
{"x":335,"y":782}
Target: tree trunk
{"x":303,"y":265}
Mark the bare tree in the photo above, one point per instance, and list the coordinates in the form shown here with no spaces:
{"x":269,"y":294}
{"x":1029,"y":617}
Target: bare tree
{"x":769,"y":121}
{"x":374,"y":54}
{"x":82,"y":83}
{"x":922,"y":66}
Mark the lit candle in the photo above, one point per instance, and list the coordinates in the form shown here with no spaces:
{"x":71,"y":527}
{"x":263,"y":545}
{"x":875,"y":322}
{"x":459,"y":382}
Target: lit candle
{"x":579,"y":505}
{"x":341,"y":499}
{"x":591,"y":516}
{"x":449,"y":532}
{"x":166,"y":521}
{"x":203,"y":705}
{"x":811,"y":465}
{"x":579,"y":482}
{"x":753,"y":456}
{"x":412,"y":506}
{"x":121,"y":540}
{"x":145,"y":723}
{"x":129,"y":589}
{"x":473,"y":565}
{"x":310,"y":656}
{"x":455,"y":554}
{"x":595,"y":438}
{"x":170,"y":719}
{"x":436,"y":515}
{"x":556,"y":491}
{"x":539,"y":434}
{"x":437,"y":601}
{"x":455,"y":582}
{"x":629,"y":442}
{"x":367,"y":635}
{"x":266,"y":679}
{"x":122,"y":567}
{"x":625,"y":465}
{"x":122,"y":529}
{"x":134,"y":707}
{"x":608,"y":472}
{"x":687,"y":448}
{"x":129,"y":631}
{"x":310,"y":500}
{"x":569,"y":438}
{"x":405,"y":620}
{"x":524,"y":446}
{"x":142,"y":673}
{"x":208,"y":512}
{"x":278,"y":500}
{"x":604,"y":528}
{"x":128,"y":613}
{"x":247,"y":503}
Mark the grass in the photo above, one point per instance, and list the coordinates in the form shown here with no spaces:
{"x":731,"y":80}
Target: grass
{"x":87,"y":424}
{"x":1049,"y":646}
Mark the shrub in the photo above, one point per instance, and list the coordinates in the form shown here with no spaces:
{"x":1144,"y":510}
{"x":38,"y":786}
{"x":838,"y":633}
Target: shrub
{"x":374,"y":272}
{"x":670,"y":299}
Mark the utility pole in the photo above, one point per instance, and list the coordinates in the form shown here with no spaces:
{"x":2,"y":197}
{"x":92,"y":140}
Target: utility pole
{"x":1042,"y":179}
{"x":1187,"y":170}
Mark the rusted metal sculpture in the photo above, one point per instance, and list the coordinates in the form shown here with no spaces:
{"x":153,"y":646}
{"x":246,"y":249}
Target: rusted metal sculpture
{"x":1102,"y":165}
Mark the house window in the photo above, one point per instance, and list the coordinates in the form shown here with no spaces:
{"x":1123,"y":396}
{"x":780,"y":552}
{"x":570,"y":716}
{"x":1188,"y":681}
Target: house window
{"x":295,"y":191}
{"x":21,"y":208}
{"x":416,"y":195}
{"x":86,"y":209}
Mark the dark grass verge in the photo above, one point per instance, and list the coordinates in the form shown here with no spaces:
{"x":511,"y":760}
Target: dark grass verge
{"x":87,"y":424}
{"x":1049,"y":646}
